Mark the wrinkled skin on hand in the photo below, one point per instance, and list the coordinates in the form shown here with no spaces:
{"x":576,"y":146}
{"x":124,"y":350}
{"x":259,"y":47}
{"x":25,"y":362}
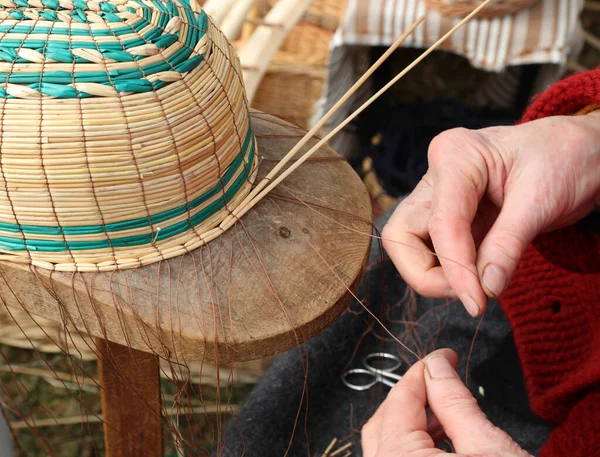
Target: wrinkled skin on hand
{"x":486,"y":195}
{"x":402,"y":428}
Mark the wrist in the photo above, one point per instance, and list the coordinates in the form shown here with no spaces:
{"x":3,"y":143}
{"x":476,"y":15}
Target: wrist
{"x":591,"y":123}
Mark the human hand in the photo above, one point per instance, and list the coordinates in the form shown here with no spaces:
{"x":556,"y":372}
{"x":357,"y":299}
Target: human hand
{"x":400,"y":427}
{"x":486,"y":196}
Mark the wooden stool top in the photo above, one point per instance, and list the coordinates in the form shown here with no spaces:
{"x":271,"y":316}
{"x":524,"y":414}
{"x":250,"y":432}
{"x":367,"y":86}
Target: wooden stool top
{"x":271,"y":282}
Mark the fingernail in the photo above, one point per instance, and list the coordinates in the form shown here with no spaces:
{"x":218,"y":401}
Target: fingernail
{"x":494,"y":279}
{"x":470,"y":304}
{"x":439,"y":367}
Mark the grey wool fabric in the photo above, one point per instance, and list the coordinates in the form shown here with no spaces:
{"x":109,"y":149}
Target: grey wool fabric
{"x":296,"y":411}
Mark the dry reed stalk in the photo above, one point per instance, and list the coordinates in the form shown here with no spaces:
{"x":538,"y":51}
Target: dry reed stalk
{"x":312,"y":132}
{"x":270,"y":181}
{"x":21,"y":330}
{"x":94,"y":419}
{"x":342,"y":449}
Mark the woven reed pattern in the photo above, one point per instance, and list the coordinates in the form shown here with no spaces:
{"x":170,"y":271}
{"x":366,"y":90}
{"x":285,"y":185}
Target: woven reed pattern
{"x":325,"y":14}
{"x":124,"y":132}
{"x":295,"y":79}
{"x":462,"y":8}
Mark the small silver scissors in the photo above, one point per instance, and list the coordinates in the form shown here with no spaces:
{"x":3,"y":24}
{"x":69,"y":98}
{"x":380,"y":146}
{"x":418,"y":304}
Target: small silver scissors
{"x":374,"y":374}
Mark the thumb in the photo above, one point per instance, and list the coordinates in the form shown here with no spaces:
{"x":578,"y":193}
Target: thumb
{"x":459,"y":414}
{"x":504,"y":245}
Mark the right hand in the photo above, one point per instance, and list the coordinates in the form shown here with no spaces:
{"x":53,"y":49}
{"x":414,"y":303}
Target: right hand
{"x":486,"y":196}
{"x":401,"y":427}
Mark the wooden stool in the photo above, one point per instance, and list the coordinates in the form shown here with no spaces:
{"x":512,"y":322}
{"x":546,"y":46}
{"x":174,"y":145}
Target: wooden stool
{"x":268,"y":284}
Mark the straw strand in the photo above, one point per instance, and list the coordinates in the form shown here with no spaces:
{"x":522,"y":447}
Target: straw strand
{"x":310,"y":134}
{"x":267,"y":186}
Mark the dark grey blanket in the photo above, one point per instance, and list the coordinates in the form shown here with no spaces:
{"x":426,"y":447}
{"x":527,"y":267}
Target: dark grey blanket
{"x":265,"y":425}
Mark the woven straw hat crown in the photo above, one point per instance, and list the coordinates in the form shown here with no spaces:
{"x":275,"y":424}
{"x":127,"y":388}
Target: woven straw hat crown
{"x":124,"y":132}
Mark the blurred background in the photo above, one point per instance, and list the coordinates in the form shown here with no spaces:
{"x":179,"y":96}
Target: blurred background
{"x":387,"y":146}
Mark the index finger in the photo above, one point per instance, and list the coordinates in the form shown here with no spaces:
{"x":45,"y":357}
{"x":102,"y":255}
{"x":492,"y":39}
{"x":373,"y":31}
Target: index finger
{"x":459,"y":174}
{"x":404,"y":241}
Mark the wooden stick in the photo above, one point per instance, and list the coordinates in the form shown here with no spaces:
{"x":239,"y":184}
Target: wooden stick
{"x":232,"y":24}
{"x":131,"y":403}
{"x":252,"y":20}
{"x":329,"y":448}
{"x":43,"y":373}
{"x":218,"y":9}
{"x":342,"y":449}
{"x":72,"y":420}
{"x":265,"y":41}
{"x":312,"y":132}
{"x":592,"y":40}
{"x":228,"y":222}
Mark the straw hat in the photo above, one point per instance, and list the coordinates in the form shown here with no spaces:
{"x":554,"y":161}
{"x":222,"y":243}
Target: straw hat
{"x":124,"y":132}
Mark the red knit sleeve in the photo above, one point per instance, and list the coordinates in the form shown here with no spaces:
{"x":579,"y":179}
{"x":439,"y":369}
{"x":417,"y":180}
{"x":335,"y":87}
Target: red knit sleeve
{"x":553,"y":305}
{"x":566,"y":97}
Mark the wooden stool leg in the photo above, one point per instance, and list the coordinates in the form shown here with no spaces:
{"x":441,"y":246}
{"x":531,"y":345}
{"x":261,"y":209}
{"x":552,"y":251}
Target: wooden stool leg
{"x":131,"y":404}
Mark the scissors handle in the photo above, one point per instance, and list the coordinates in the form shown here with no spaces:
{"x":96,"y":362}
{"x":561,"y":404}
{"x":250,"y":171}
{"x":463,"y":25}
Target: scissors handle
{"x":394,"y":376}
{"x":396,"y":362}
{"x":373,"y":373}
{"x":360,"y":371}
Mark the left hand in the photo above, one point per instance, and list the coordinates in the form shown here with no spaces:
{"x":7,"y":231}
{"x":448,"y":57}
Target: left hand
{"x":401,"y":428}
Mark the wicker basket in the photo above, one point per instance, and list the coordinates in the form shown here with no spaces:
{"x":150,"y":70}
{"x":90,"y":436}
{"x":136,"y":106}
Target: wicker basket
{"x":325,"y":14}
{"x":462,"y":8}
{"x":297,"y":75}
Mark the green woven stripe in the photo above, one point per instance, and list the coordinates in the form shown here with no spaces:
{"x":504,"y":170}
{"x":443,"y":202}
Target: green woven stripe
{"x":64,"y":31}
{"x":14,"y":244}
{"x":131,"y":80}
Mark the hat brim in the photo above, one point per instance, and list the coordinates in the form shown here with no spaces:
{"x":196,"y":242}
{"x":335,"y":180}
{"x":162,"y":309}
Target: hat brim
{"x":277,"y":278}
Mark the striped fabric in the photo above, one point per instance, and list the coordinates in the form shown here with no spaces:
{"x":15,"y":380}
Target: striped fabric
{"x":547,"y":34}
{"x":544,"y":33}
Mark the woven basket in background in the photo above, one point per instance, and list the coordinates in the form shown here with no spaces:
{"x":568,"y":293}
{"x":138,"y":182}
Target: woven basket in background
{"x":297,"y":75}
{"x":462,"y":8}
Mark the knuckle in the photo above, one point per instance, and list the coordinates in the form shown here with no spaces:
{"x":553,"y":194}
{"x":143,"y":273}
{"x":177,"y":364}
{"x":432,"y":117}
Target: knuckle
{"x":387,"y":234}
{"x":448,"y":141}
{"x":369,"y":431}
{"x":439,"y":221}
{"x":409,"y":445}
{"x":416,"y":441}
{"x":510,"y":244}
{"x":500,"y":442}
{"x":420,"y":285}
{"x":457,"y":401}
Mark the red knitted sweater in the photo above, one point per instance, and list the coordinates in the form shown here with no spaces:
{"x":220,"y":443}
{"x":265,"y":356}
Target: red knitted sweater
{"x":553,"y":304}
